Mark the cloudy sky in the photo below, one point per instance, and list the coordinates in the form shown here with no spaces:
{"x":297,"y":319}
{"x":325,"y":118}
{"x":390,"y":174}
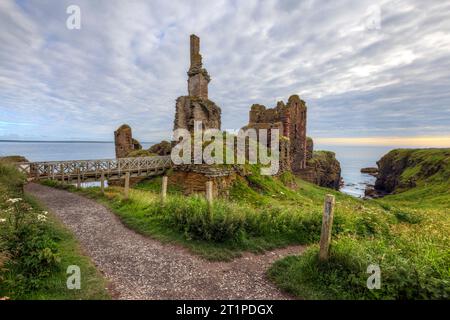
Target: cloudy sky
{"x":368,"y":70}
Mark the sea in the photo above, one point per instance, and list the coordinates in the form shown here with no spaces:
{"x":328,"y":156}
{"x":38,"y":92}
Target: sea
{"x":352,"y":158}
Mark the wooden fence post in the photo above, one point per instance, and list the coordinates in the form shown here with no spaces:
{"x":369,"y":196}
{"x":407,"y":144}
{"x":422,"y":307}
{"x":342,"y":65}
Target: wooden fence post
{"x":327,"y":223}
{"x":127,"y":184}
{"x":102,"y":183}
{"x":164,"y":189}
{"x":209,"y":195}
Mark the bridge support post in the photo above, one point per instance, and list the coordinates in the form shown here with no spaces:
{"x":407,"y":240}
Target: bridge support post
{"x":327,"y":223}
{"x":164,"y":189}
{"x":102,"y":183}
{"x":127,"y":185}
{"x":209,"y":195}
{"x":78,"y":179}
{"x":61,"y":168}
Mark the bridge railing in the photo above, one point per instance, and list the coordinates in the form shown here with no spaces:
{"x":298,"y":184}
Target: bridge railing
{"x":83,"y":168}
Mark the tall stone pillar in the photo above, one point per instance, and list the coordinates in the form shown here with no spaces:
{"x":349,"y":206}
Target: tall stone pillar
{"x":196,"y":106}
{"x":198,"y":77}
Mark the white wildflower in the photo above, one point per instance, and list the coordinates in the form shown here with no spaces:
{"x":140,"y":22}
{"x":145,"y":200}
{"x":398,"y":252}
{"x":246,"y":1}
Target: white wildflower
{"x":42,"y":217}
{"x":14,"y":200}
{"x":2,"y":220}
{"x":45,"y":213}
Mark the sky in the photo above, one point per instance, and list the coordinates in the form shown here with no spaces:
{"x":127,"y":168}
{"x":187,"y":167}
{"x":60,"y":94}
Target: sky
{"x":370,"y":71}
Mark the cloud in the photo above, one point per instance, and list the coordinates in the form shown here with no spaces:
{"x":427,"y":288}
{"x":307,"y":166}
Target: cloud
{"x":128,"y":64}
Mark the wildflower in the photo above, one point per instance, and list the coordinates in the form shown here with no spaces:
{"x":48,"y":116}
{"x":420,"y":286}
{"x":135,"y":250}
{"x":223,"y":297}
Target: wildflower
{"x":2,"y":220}
{"x":42,"y":217}
{"x":45,"y":212}
{"x":14,"y":200}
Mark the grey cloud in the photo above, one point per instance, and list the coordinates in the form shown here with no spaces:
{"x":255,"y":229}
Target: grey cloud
{"x":128,"y":64}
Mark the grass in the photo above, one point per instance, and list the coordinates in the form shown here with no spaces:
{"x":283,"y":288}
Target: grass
{"x":36,"y":252}
{"x":222,"y":235}
{"x":406,"y":234}
{"x":262,"y":213}
{"x":408,"y":239}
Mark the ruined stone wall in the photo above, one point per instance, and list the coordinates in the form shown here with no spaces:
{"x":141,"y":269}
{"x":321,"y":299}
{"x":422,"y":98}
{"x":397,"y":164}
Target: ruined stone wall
{"x":198,"y":85}
{"x":193,"y":178}
{"x":190,"y":109}
{"x":290,"y":119}
{"x":309,"y":148}
{"x":294,"y":120}
{"x":124,"y":142}
{"x":193,"y":182}
{"x":198,"y":77}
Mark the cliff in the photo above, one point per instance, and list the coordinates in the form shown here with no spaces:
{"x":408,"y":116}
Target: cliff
{"x":323,"y":169}
{"x":403,"y":169}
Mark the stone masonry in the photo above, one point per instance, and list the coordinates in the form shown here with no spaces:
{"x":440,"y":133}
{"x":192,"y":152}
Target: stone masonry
{"x":290,"y":119}
{"x":196,"y":106}
{"x":124,"y":142}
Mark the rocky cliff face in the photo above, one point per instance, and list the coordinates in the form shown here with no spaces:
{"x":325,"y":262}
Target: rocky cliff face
{"x":403,"y":169}
{"x":323,"y":169}
{"x":161,"y":149}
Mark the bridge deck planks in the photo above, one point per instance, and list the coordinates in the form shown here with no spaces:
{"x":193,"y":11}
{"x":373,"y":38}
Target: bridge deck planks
{"x":91,"y":170}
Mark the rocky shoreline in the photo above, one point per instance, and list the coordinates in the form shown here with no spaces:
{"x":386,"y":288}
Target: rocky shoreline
{"x":403,"y":169}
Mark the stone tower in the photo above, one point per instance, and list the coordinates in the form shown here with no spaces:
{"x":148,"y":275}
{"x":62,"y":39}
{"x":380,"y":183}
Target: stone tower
{"x":290,"y":119}
{"x":196,"y":106}
{"x":124,"y":141}
{"x":198,"y":76}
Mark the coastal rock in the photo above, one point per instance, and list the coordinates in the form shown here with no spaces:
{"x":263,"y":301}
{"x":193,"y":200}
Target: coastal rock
{"x":162,"y":149}
{"x":370,"y":170}
{"x":403,"y":169}
{"x":323,"y":169}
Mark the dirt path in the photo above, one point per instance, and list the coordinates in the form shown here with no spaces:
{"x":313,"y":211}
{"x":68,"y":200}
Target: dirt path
{"x":142,"y":268}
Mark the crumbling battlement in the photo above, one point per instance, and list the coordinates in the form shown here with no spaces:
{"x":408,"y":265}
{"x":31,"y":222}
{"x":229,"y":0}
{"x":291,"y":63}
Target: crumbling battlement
{"x":290,"y":119}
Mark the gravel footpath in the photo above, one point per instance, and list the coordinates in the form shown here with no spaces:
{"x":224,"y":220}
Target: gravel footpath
{"x":139,"y":267}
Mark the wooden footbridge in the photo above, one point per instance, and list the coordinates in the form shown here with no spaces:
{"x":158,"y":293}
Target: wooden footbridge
{"x":94,"y":170}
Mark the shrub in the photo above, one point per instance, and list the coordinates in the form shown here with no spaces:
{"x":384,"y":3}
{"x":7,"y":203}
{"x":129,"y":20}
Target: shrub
{"x":192,"y":217}
{"x":344,"y":275}
{"x":28,"y":253}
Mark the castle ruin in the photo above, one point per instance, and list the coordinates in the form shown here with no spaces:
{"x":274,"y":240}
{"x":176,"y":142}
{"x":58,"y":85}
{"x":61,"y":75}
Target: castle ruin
{"x":290,"y":120}
{"x":196,"y":106}
{"x":296,"y":149}
{"x":124,"y":141}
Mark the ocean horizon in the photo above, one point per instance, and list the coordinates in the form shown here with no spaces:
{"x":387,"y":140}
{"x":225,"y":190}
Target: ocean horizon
{"x":351,"y":158}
